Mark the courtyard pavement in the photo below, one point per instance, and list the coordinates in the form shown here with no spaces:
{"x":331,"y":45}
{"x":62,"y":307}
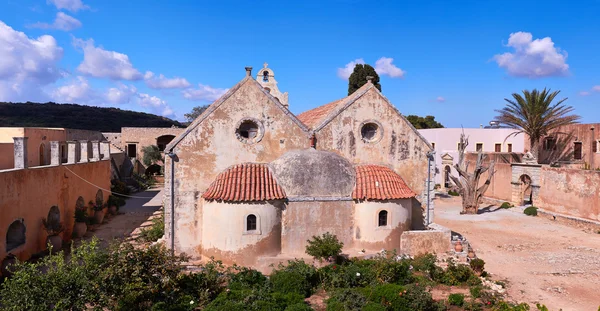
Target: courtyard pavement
{"x":541,"y":260}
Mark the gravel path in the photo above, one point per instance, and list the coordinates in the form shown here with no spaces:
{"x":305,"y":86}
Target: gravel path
{"x":541,"y":260}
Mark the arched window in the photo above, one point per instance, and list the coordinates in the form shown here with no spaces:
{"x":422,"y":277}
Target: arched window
{"x":447,"y":173}
{"x":15,"y":235}
{"x":265,"y":76}
{"x":42,"y":154}
{"x":251,"y":222}
{"x":383,"y":218}
{"x":163,"y":141}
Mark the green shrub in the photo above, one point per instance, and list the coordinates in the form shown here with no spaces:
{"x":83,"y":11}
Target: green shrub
{"x":245,"y":278}
{"x":458,"y":274}
{"x":81,"y":215}
{"x":257,"y":299}
{"x":505,"y":306}
{"x":301,"y":306}
{"x":372,"y":306}
{"x":156,"y":230}
{"x":477,"y":265}
{"x":453,"y":193}
{"x":506,"y":205}
{"x":354,"y":273}
{"x":473,"y":306}
{"x":456,"y":299}
{"x":324,"y":246}
{"x":390,"y":295}
{"x":346,"y":299}
{"x":531,"y":211}
{"x":291,"y":282}
{"x":419,"y":299}
{"x":476,"y":291}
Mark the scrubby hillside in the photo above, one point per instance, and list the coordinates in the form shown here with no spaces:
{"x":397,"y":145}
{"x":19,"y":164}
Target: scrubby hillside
{"x":77,"y":117}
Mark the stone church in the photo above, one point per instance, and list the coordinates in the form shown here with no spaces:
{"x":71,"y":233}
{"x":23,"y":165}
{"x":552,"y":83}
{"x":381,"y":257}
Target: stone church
{"x":252,"y":181}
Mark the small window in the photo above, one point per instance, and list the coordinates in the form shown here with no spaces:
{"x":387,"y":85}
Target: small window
{"x":595,"y":146}
{"x":479,"y":147}
{"x":509,"y":147}
{"x":251,"y":222}
{"x":383,"y":219}
{"x":370,"y":132}
{"x":131,"y":150}
{"x":577,"y":150}
{"x":549,"y":143}
{"x":265,"y":76}
{"x":498,"y":148}
{"x":433,"y":146}
{"x":15,"y":235}
{"x":458,"y":146}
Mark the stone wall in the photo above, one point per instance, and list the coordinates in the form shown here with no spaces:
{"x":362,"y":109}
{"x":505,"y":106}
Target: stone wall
{"x":145,"y":136}
{"x":28,"y":194}
{"x":570,"y":191}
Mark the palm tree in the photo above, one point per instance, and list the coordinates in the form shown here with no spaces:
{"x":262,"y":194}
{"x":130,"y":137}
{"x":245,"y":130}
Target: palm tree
{"x":536,"y":115}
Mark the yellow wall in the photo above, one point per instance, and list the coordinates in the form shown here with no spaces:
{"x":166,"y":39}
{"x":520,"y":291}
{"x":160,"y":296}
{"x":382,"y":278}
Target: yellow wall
{"x":7,"y":156}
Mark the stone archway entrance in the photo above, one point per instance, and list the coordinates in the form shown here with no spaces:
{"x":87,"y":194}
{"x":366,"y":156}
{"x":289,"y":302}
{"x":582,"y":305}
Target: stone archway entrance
{"x":447,"y":163}
{"x":525,"y":183}
{"x":447,"y":173}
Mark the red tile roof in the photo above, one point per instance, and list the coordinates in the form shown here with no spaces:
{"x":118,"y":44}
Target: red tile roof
{"x":375,"y":182}
{"x":316,"y":116}
{"x":245,"y":182}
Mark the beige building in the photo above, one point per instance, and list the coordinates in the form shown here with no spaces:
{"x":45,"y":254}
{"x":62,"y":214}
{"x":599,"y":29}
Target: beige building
{"x":252,"y":181}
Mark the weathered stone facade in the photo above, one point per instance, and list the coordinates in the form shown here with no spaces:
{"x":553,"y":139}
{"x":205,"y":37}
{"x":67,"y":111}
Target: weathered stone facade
{"x":251,"y":180}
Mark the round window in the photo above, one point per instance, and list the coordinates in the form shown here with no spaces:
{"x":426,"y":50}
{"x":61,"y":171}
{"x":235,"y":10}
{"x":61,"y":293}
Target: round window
{"x":249,"y":131}
{"x":370,"y":131}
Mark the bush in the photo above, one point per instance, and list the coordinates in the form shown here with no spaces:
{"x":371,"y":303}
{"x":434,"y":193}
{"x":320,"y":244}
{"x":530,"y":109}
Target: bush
{"x":476,"y":291}
{"x":453,"y":193}
{"x":531,"y":211}
{"x":477,"y":265}
{"x":156,"y":230}
{"x":245,"y":278}
{"x":390,"y":295}
{"x":346,"y":300}
{"x":458,"y":274}
{"x":456,"y":299}
{"x":296,"y":277}
{"x":324,"y":246}
{"x":81,"y":215}
{"x":301,"y":306}
{"x":506,"y":205}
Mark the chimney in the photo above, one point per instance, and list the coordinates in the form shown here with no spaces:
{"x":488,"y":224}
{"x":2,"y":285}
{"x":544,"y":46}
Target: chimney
{"x":369,"y":79}
{"x":248,"y":71}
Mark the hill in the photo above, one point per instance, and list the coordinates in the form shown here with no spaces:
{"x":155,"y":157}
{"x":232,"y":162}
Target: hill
{"x":74,"y":116}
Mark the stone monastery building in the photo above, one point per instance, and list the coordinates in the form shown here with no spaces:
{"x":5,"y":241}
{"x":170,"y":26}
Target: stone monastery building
{"x":252,"y":181}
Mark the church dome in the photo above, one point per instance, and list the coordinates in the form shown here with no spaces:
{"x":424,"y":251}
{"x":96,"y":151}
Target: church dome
{"x":314,"y":173}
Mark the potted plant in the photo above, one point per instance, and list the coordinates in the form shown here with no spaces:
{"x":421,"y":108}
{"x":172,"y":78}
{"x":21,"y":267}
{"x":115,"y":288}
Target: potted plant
{"x":114,"y":203}
{"x":53,"y":228}
{"x":81,"y":219}
{"x":6,"y":263}
{"x":98,"y":212}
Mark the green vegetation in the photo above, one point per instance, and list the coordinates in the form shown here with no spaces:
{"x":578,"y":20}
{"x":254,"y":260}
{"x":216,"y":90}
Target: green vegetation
{"x":152,"y":155}
{"x":358,"y":78}
{"x":531,"y":211}
{"x":428,"y":122}
{"x":74,"y":116}
{"x":506,"y":205}
{"x":324,"y":246}
{"x":195,"y":113}
{"x":535,"y":114}
{"x":156,"y":230}
{"x":453,"y":193}
{"x":123,"y":277}
{"x":478,"y":265}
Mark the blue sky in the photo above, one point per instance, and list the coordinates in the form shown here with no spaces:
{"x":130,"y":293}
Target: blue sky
{"x":454,"y":60}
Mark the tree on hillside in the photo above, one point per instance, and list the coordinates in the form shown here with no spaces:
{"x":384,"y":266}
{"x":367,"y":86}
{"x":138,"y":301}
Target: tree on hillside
{"x":535,"y":115}
{"x":196,"y":112}
{"x":359,"y":76}
{"x":467,"y":181}
{"x":428,"y":122}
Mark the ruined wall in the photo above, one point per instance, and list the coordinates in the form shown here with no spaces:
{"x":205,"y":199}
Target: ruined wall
{"x":570,"y":191}
{"x":145,"y":136}
{"x":399,"y":146}
{"x":224,"y":233}
{"x":28,"y":194}
{"x":213,"y":146}
{"x":303,"y":220}
{"x":7,"y":156}
{"x":367,"y":233}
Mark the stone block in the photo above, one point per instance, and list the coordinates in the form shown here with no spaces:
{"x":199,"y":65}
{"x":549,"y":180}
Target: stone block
{"x":436,"y":240}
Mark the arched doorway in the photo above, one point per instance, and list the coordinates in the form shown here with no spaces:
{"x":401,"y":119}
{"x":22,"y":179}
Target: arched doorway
{"x":526,"y":193}
{"x":447,"y":172}
{"x":15,"y":235}
{"x":163,"y":141}
{"x":42,"y":154}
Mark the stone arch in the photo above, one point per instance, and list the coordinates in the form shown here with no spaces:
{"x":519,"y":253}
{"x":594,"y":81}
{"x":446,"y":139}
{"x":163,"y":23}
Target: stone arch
{"x":99,"y":197}
{"x":525,"y":183}
{"x":15,"y":235}
{"x":525,"y":189}
{"x":163,"y":141}
{"x":54,"y":214}
{"x":447,"y":173}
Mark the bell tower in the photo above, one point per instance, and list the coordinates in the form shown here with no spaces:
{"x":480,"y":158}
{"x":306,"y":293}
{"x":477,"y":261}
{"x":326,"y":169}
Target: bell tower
{"x":266,"y":78}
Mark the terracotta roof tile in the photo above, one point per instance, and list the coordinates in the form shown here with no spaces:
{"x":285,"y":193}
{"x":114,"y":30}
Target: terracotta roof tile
{"x":375,"y":182}
{"x":245,"y":182}
{"x":316,"y":116}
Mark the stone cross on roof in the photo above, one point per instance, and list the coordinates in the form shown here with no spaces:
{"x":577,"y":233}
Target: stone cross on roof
{"x":265,"y":65}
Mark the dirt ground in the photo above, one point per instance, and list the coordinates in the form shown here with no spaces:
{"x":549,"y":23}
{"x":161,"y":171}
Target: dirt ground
{"x":541,"y":260}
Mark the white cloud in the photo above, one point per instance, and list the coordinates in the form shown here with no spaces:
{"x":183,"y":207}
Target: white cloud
{"x":584,"y":93}
{"x":155,"y":104}
{"x":161,"y":82}
{"x":69,"y":5}
{"x":440,"y":99}
{"x":62,"y":22}
{"x":77,"y":91}
{"x":27,"y":64}
{"x":532,"y":58}
{"x":100,"y":63}
{"x":203,"y":92}
{"x":384,"y":67}
{"x":121,"y":94}
{"x":344,"y":73}
{"x":596,"y":88}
